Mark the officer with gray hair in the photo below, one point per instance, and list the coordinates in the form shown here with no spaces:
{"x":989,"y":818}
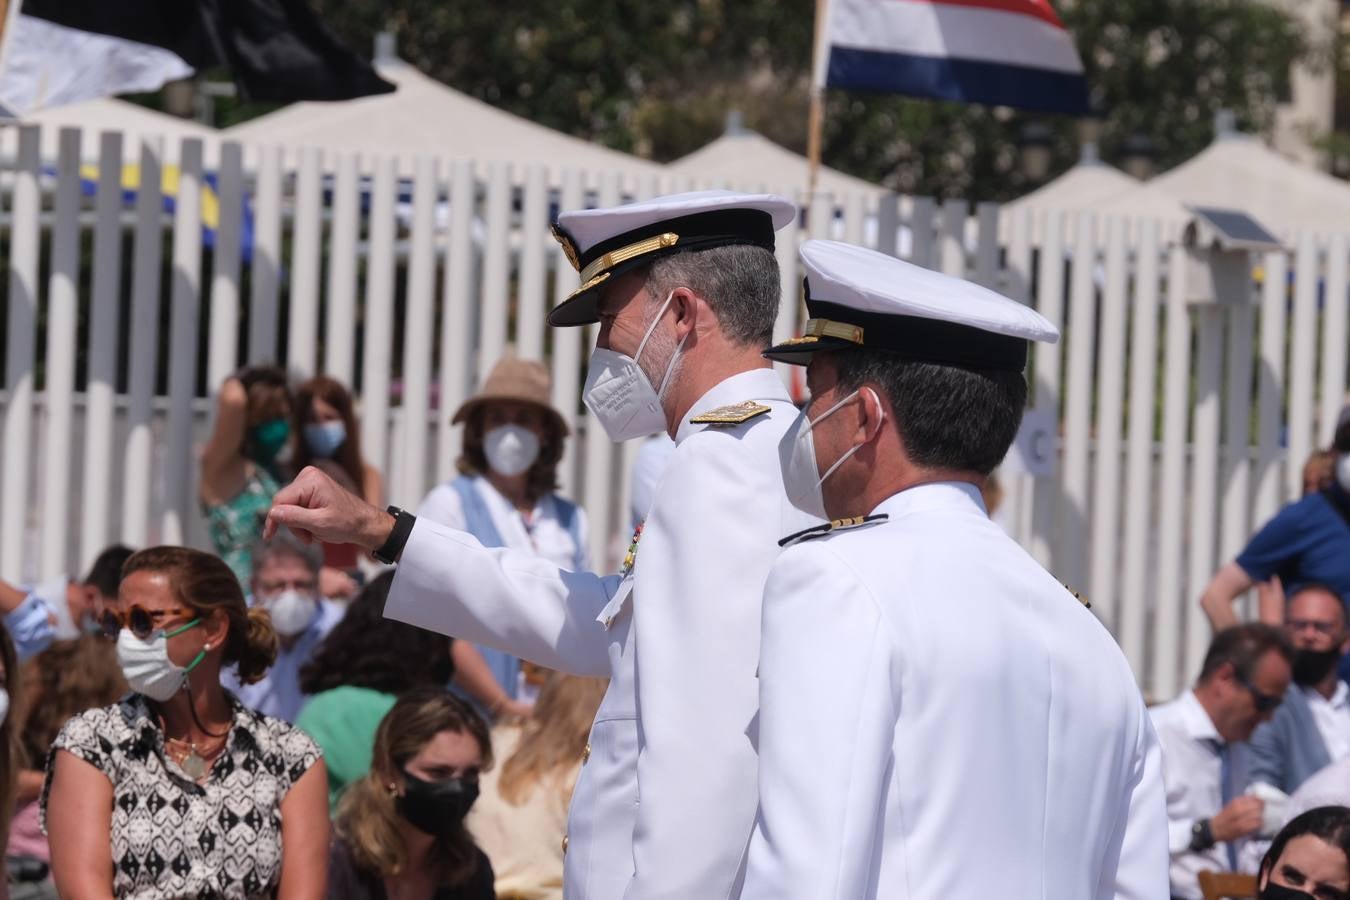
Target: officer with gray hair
{"x":685,"y":290}
{"x":965,"y":727}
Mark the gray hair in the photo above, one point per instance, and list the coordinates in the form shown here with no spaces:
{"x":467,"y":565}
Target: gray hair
{"x":739,"y":281}
{"x":283,"y":545}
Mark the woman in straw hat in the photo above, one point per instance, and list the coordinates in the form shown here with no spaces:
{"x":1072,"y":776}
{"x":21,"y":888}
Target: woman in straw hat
{"x":506,"y":496}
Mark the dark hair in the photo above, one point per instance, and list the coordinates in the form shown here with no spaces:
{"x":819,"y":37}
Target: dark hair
{"x":542,"y":477}
{"x":106,"y":572}
{"x":1243,"y":646}
{"x":336,"y":395}
{"x":739,"y":281}
{"x":367,"y":650}
{"x":948,"y":417}
{"x":284,"y":545}
{"x":1330,"y":823}
{"x":203,"y":583}
{"x":367,"y":818}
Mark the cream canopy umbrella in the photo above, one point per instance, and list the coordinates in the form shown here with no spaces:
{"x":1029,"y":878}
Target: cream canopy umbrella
{"x":1085,"y":187}
{"x":746,"y":159}
{"x":426,"y":118}
{"x":1238,"y":171}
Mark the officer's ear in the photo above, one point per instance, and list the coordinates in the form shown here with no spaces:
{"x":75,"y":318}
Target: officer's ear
{"x":686,"y":306}
{"x":872,"y":414}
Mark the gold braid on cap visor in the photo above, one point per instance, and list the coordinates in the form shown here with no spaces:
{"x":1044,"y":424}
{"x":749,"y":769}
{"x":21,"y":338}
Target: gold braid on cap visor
{"x":819,"y":328}
{"x":624,"y":254}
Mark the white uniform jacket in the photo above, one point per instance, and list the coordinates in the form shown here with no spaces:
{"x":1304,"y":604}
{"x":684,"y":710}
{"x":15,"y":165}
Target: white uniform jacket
{"x":939,"y":718}
{"x":666,"y":799}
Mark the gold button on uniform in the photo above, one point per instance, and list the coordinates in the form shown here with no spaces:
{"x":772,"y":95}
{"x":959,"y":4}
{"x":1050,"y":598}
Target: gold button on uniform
{"x":586,"y":754}
{"x":564,"y":845}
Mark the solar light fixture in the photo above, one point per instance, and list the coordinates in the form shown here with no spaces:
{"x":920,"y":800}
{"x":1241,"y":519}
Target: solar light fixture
{"x":1219,"y":246}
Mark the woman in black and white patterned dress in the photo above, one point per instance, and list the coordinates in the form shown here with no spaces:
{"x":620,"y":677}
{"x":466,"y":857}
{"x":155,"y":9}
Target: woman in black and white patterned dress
{"x":178,"y":790}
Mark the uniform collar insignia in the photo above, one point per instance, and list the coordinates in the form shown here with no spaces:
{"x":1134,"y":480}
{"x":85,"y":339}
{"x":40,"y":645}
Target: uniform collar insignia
{"x":831,"y":527}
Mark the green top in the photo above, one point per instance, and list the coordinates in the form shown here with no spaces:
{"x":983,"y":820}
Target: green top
{"x":236,"y":525}
{"x":343,"y":722}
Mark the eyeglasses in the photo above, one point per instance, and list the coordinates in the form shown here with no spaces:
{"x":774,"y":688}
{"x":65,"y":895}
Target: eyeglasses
{"x":1264,"y":702}
{"x":142,"y":622}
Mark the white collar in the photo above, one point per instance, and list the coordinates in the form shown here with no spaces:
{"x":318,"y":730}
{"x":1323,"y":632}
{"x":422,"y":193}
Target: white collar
{"x":1340,"y":698}
{"x":934,"y":495}
{"x":1196,"y":719}
{"x":753,"y":384}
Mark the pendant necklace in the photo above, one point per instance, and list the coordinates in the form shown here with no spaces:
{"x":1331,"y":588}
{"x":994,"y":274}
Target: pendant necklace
{"x":195,"y":763}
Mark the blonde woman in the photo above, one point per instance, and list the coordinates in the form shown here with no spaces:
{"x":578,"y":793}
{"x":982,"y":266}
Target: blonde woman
{"x":400,"y":829}
{"x":523,"y":809}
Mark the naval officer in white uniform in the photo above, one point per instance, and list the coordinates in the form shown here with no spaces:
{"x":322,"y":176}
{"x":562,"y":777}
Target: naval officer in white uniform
{"x":939,"y":718}
{"x":685,"y":289}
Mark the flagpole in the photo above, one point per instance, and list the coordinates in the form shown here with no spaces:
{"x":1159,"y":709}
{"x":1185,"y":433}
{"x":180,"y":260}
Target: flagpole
{"x":816,"y":116}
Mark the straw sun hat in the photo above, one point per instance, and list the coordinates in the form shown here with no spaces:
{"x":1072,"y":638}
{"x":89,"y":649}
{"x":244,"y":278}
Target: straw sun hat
{"x":519,"y":381}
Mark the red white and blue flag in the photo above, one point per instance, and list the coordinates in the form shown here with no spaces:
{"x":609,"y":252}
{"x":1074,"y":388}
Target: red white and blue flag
{"x":996,"y":52}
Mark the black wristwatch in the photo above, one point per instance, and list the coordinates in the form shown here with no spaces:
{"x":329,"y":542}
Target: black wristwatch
{"x":1202,"y":836}
{"x":388,"y":552}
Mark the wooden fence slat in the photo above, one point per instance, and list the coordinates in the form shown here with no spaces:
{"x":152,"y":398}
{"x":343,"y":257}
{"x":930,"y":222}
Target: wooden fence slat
{"x":495,"y":300}
{"x":302,"y":335}
{"x":534,"y":240}
{"x":457,"y":315}
{"x":1203,"y":497}
{"x":1169,"y":590}
{"x":1270,"y":385}
{"x":1334,"y":339}
{"x":145,"y":289}
{"x":599,"y":452}
{"x":265,"y":269}
{"x":1072,"y":551}
{"x":223,"y":333}
{"x":20,"y":354}
{"x":1104,"y":575}
{"x":1135,"y":588}
{"x":184,"y":315}
{"x":377,"y":346}
{"x":104,"y":328}
{"x":922,"y":241}
{"x":1046,"y":359}
{"x":567,"y":354}
{"x":952,"y":249}
{"x":1302,"y":363}
{"x":339,"y":331}
{"x":59,"y":389}
{"x":418,"y":325}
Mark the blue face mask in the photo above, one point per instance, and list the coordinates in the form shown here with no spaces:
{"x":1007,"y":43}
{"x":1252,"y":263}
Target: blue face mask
{"x":324,"y":438}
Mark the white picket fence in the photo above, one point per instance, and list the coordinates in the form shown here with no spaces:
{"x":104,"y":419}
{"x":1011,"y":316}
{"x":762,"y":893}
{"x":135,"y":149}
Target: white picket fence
{"x":1182,"y":428}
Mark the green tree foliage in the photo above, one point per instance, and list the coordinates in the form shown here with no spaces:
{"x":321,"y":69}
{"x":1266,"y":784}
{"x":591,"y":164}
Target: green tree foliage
{"x":657,"y":79}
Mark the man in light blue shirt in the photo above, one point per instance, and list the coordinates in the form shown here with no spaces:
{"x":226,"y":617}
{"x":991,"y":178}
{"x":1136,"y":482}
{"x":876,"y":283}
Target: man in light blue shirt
{"x":285,"y":582}
{"x":61,"y":609}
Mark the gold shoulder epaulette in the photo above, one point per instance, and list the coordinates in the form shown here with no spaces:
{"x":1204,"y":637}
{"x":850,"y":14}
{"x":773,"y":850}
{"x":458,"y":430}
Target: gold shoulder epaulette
{"x":831,"y":527}
{"x":734,"y":414}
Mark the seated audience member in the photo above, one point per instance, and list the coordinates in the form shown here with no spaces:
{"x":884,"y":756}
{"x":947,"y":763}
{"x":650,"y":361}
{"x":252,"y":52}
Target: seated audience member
{"x":177,"y":790}
{"x":1308,"y":542}
{"x":523,"y":807}
{"x":1309,"y":859}
{"x":400,"y":828}
{"x":286,"y":583}
{"x":1205,"y":760}
{"x":62,"y":681}
{"x":61,"y":609}
{"x":240,"y":468}
{"x":1311,"y":729}
{"x":330,"y":438}
{"x":356,"y":674}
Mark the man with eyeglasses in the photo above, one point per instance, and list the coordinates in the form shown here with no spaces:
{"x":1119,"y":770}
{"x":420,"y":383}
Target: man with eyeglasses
{"x":1206,"y":760}
{"x":1311,"y":729}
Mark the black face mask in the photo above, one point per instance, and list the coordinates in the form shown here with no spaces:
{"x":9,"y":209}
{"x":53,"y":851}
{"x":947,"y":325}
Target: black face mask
{"x":1274,"y":891}
{"x":1311,"y":666}
{"x":436,"y":807}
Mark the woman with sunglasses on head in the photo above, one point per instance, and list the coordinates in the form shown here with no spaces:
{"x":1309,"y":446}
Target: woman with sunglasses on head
{"x":177,"y":790}
{"x":400,"y":829}
{"x":1309,"y":859}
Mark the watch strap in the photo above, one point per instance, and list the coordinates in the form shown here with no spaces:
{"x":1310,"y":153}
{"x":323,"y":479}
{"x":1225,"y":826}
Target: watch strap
{"x":1202,"y":835}
{"x":389,"y":551}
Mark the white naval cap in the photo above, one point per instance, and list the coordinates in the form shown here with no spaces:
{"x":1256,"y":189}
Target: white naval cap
{"x":859,"y":298}
{"x":602,"y":243}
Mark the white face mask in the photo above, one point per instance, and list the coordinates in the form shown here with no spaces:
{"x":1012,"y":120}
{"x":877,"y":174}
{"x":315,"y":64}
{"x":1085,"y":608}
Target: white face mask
{"x":510,"y":449}
{"x":292,"y":611}
{"x":621,"y":395}
{"x":4,"y":705}
{"x":1343,"y":471}
{"x":797,"y":455}
{"x":146,"y":664}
